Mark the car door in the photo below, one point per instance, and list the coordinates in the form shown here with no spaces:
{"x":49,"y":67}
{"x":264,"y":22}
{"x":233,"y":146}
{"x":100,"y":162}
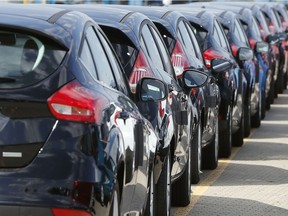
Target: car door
{"x":155,"y":49}
{"x":138,"y":139}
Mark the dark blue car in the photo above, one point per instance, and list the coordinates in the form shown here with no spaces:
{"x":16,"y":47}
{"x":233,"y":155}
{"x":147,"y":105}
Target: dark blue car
{"x":232,"y":82}
{"x":71,"y":143}
{"x":142,"y":52}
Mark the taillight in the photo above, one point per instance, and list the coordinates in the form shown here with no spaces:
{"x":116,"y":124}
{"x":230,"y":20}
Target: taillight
{"x":252,"y":43}
{"x":141,"y":69}
{"x":234,"y":49}
{"x":272,"y":28}
{"x":74,"y":102}
{"x":69,"y":212}
{"x":210,"y":54}
{"x":179,"y":59}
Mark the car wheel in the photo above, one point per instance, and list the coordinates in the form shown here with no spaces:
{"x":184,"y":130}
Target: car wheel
{"x":225,"y":137}
{"x":115,"y":210}
{"x":150,"y":207}
{"x":263,"y":105}
{"x":272,"y":92}
{"x":256,"y":119}
{"x":247,"y":117}
{"x":210,"y":152}
{"x":270,"y":98}
{"x":181,"y":189}
{"x":281,"y":80}
{"x":285,"y":80}
{"x":196,"y":155}
{"x":163,"y":190}
{"x":238,"y":137}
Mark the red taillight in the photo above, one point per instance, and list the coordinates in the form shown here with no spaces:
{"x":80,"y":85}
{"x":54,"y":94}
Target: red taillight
{"x":252,"y":43}
{"x":210,"y":54}
{"x":141,"y":69}
{"x":272,"y":28}
{"x":234,"y":49}
{"x":69,"y":212}
{"x":74,"y":102}
{"x":179,"y":59}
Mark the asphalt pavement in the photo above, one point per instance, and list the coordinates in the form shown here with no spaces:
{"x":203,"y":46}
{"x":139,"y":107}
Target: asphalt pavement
{"x":254,"y":180}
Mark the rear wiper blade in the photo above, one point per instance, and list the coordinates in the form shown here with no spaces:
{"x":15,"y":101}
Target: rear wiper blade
{"x":7,"y":80}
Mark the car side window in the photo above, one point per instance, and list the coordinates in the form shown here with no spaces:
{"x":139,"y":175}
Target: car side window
{"x":87,"y":59}
{"x":164,"y":52}
{"x":221,"y":36}
{"x":103,"y":67}
{"x":223,"y":39}
{"x":195,"y":42}
{"x":147,"y":40}
{"x":114,"y":64}
{"x":216,"y":36}
{"x":241,"y":33}
{"x":185,"y":38}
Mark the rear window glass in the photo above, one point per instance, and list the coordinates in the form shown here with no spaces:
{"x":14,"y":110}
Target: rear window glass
{"x":25,"y":59}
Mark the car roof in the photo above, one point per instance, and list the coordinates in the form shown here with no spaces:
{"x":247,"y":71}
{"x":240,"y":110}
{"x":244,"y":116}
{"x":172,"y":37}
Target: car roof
{"x":31,"y":11}
{"x":46,"y":21}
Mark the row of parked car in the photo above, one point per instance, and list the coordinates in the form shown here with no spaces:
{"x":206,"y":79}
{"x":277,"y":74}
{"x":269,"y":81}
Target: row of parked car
{"x":115,"y":110}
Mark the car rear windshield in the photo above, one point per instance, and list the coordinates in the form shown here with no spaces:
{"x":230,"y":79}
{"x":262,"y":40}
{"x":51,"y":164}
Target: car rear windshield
{"x":26,"y":59}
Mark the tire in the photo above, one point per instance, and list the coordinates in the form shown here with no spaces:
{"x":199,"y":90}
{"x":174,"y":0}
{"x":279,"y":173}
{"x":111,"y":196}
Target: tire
{"x":285,"y":80}
{"x":276,"y":87}
{"x":150,"y":206}
{"x":163,"y":190}
{"x":270,"y":99}
{"x":281,"y":81}
{"x":256,"y":118}
{"x":181,"y":189}
{"x":115,"y":207}
{"x":238,"y":137}
{"x":225,"y":137}
{"x":247,"y":117}
{"x":263,"y":105}
{"x":211,"y":152}
{"x":196,"y":155}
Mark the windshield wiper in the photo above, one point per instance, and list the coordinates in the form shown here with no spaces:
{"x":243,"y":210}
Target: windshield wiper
{"x":7,"y":80}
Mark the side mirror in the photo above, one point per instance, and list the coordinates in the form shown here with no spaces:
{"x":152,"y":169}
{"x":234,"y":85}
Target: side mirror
{"x":272,"y":39}
{"x":194,"y":78}
{"x":245,"y":54}
{"x":151,"y":89}
{"x":220,"y":65}
{"x":261,"y":47}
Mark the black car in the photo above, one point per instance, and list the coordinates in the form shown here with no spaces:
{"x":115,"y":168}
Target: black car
{"x":71,"y":143}
{"x":282,"y":18}
{"x":142,"y":53}
{"x":272,"y":58}
{"x":185,"y":52}
{"x":260,"y":48}
{"x":232,"y":83}
{"x":237,"y":39}
{"x":278,"y":47}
